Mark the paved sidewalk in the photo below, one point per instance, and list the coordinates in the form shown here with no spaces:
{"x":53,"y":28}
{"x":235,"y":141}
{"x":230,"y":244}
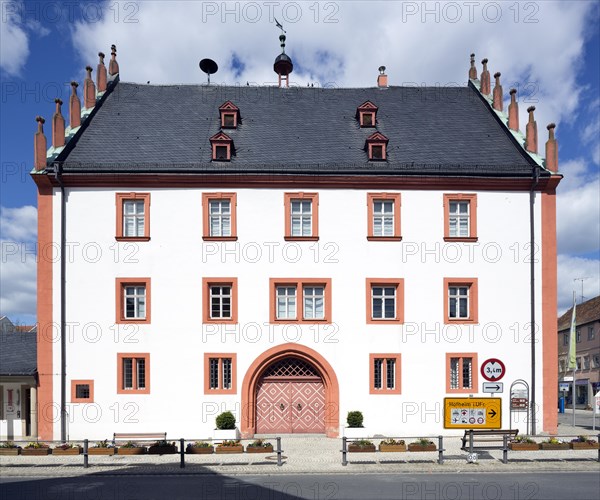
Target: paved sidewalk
{"x":308,"y":454}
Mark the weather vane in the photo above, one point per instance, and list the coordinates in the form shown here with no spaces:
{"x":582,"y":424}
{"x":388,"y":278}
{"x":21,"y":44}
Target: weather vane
{"x":279,"y":25}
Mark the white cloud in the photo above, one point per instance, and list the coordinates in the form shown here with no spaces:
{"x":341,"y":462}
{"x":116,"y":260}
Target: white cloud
{"x":571,"y":268}
{"x":18,"y":229}
{"x":578,"y":209}
{"x":14,"y":49}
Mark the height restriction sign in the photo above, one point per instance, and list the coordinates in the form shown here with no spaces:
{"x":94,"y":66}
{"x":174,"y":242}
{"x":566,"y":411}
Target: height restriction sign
{"x":493,"y":369}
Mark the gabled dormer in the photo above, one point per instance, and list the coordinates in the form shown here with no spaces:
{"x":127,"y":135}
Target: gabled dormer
{"x":376,"y":146}
{"x":222,"y":147}
{"x":366,"y":114}
{"x":230,"y":115}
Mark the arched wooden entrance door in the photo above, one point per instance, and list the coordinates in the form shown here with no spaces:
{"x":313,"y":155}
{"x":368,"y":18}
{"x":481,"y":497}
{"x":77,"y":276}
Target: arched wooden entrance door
{"x":290,"y":398}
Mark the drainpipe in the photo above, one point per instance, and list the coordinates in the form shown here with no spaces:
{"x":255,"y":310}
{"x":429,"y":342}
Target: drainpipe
{"x":63,"y":312}
{"x":536,"y":176}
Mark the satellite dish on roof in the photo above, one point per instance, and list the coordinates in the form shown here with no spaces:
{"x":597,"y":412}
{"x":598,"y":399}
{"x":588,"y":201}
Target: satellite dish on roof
{"x":209,"y":67}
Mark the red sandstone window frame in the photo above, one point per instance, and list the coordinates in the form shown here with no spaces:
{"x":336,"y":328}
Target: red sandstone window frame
{"x":120,"y":285}
{"x":74,"y":384}
{"x":371,"y":199}
{"x":397,"y":357}
{"x":472,"y":200}
{"x":377,"y":139}
{"x":221,"y":139}
{"x":206,"y":305}
{"x":229,"y":109}
{"x":120,"y":375}
{"x":398,"y":283}
{"x":287,"y":200}
{"x":474,"y":372}
{"x":473,"y":300}
{"x":299,"y":284}
{"x":120,"y":199}
{"x":220,"y":356}
{"x":206,"y":199}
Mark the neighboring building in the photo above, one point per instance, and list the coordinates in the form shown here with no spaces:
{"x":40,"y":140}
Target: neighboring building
{"x":18,"y":380}
{"x":587,"y":374}
{"x":290,"y":254}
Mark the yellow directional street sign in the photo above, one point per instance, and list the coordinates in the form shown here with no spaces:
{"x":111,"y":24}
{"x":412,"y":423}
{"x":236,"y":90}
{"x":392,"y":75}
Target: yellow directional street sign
{"x":472,"y":413}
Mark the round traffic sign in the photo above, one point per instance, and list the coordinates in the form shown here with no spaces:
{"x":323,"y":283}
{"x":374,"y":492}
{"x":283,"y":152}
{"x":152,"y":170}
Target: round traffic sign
{"x":493,"y":369}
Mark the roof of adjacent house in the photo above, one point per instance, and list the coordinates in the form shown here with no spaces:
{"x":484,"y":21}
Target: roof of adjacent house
{"x":586,"y":312}
{"x":166,"y":128}
{"x":18,"y":353}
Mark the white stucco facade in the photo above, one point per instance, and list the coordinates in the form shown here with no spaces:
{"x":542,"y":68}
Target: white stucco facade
{"x":176,"y":259}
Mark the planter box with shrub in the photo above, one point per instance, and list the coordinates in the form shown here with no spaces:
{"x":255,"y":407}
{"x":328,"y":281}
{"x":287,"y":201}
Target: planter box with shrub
{"x":422,"y":445}
{"x":391,"y":445}
{"x":199,"y":448}
{"x":162,"y":448}
{"x":259,"y":446}
{"x":230,"y":447}
{"x":66,"y":450}
{"x":361,"y":446}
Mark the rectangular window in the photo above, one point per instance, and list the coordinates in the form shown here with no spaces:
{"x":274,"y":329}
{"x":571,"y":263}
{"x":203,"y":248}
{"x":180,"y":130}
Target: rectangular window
{"x":220,"y":300}
{"x":586,"y":362}
{"x":579,"y":362}
{"x":221,"y":153}
{"x":376,"y":152}
{"x":461,"y":369}
{"x":300,"y":300}
{"x":384,"y":373}
{"x":460,"y":305}
{"x":460,"y":217}
{"x":286,"y":302}
{"x":133,"y":216}
{"x":591,"y":333}
{"x":133,"y":300}
{"x":82,"y":391}
{"x":596,"y":360}
{"x":383,"y":216}
{"x":133,"y":374}
{"x":385,"y":300}
{"x":220,"y":373}
{"x":301,"y":216}
{"x":314,"y":302}
{"x":219,"y":216}
{"x":565,"y":339}
{"x":228,"y":120}
{"x":578,"y":335}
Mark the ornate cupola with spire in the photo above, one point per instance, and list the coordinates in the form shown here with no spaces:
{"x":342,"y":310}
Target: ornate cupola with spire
{"x":283,"y":65}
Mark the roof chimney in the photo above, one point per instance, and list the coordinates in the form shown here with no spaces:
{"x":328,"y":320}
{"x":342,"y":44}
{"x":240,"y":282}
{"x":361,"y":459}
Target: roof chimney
{"x":89,"y":90}
{"x":472,"y":69}
{"x":485,"y":78}
{"x":513,"y":111}
{"x":531,"y":144}
{"x":551,"y":149}
{"x":497,"y":103}
{"x":74,"y":107}
{"x":58,"y":126}
{"x":382,"y":79}
{"x":101,"y":74}
{"x":39,"y":145}
{"x":113,"y":65}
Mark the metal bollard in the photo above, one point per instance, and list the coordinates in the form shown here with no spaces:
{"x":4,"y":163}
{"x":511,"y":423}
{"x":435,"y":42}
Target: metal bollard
{"x":505,"y":449}
{"x":344,"y":452}
{"x":85,"y":453}
{"x":471,"y":441}
{"x":440,"y":450}
{"x":279,"y":461}
{"x":182,"y":453}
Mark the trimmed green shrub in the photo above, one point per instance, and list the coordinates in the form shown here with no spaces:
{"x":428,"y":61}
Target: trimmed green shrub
{"x":354,"y":419}
{"x":226,"y":420}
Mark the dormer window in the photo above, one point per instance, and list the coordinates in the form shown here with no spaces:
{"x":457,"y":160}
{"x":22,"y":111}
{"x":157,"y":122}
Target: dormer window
{"x":376,"y":146}
{"x":222,"y":147}
{"x":230,"y":115}
{"x":366,"y":114}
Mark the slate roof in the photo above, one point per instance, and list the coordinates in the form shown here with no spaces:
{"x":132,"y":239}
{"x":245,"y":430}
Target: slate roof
{"x":18,"y":353}
{"x":587,"y":312}
{"x":166,"y":128}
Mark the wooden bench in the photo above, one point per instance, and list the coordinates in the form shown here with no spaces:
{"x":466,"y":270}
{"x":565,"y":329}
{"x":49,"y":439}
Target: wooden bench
{"x":129,"y":436}
{"x":481,"y":438}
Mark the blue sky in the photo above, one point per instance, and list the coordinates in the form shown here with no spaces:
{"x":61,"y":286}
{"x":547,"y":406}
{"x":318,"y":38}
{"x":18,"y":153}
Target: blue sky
{"x":550,"y":51}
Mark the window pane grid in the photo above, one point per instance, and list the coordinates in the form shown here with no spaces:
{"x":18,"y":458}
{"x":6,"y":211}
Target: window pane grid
{"x":459,"y":219}
{"x":383,"y":218}
{"x":383,"y":302}
{"x":127,"y":373}
{"x":226,"y":363}
{"x":377,"y":373}
{"x":314,"y":300}
{"x":133,"y":218}
{"x":301,"y":217}
{"x":220,"y":218}
{"x":220,"y":302}
{"x":458,"y":302}
{"x":135,"y":302}
{"x":454,"y":362}
{"x":213,"y":373}
{"x":286,"y":302}
{"x":390,"y":373}
{"x":82,"y":391}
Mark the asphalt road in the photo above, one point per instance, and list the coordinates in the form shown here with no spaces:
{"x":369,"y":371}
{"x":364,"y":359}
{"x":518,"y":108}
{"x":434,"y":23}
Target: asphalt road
{"x":583,"y":419}
{"x":469,"y":486}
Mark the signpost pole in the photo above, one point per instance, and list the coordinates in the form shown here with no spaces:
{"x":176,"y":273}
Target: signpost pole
{"x":573,"y":397}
